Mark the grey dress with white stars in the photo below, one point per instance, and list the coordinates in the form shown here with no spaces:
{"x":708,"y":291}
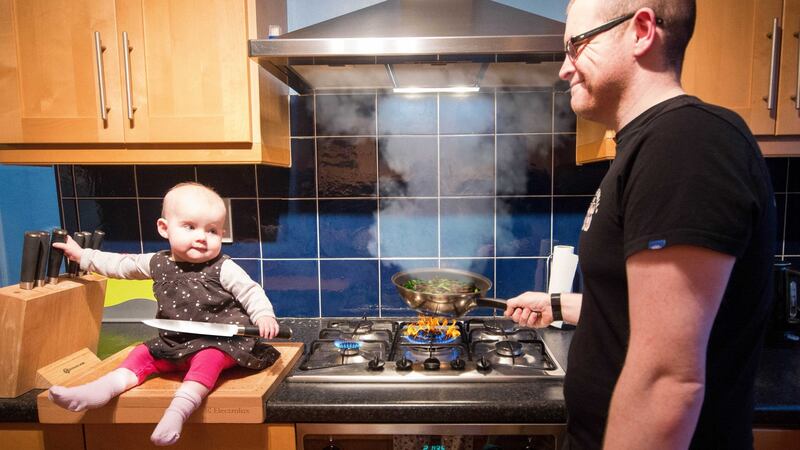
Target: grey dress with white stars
{"x":188,"y":291}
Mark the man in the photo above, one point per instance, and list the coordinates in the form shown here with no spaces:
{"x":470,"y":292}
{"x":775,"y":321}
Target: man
{"x":675,"y":250}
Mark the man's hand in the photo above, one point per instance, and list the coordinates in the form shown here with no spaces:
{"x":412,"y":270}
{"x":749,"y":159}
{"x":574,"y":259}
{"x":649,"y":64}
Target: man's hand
{"x":530,"y":309}
{"x":71,"y":249}
{"x":267,"y":327}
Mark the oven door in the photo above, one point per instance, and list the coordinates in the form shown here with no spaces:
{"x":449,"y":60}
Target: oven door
{"x":329,"y":436}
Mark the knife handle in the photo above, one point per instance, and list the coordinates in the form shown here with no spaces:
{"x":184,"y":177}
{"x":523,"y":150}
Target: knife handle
{"x":41,"y":258}
{"x":56,"y":255}
{"x":284,"y":332}
{"x":74,"y":266}
{"x":30,"y":251}
{"x":97,"y":239}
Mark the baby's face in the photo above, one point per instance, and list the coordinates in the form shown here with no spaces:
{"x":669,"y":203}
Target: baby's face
{"x":194,"y":224}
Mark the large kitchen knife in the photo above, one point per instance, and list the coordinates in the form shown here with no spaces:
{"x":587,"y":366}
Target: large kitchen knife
{"x":56,"y":255}
{"x":30,"y":255}
{"x":212,"y":329}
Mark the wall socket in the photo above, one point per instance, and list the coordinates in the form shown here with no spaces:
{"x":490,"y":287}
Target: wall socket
{"x":227,"y":236}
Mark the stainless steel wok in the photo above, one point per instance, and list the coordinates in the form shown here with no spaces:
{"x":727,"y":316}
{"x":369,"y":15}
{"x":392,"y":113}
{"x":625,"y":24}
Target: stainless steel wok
{"x":452,"y":305}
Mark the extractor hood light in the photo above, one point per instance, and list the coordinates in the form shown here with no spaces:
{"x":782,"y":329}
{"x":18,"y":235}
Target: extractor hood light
{"x":426,"y":90}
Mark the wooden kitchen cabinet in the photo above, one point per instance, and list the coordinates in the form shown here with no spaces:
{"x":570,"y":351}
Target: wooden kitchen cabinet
{"x":729,"y":63}
{"x":174,"y":77}
{"x":35,"y":436}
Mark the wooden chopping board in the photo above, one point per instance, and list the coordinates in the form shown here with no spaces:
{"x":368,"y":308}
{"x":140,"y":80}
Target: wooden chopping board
{"x":238,"y":397}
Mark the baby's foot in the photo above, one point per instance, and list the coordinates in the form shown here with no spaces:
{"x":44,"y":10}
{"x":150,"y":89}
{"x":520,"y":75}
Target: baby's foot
{"x":168,"y":430}
{"x":95,"y":394}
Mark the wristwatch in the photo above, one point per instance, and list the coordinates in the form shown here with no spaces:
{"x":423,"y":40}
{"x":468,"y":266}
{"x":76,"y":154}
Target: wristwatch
{"x":555,"y":306}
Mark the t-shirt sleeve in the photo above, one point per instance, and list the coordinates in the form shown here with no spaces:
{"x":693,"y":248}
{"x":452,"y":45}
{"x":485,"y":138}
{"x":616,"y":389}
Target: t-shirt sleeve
{"x":691,"y":184}
{"x":249,"y":293}
{"x":117,"y":265}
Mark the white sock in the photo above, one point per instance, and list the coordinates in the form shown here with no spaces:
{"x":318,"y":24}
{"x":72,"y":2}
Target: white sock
{"x":187,"y":399}
{"x":94,"y":394}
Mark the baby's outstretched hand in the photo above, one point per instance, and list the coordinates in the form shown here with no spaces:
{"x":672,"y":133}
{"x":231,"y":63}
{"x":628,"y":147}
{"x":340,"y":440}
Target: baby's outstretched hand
{"x":267,"y":327}
{"x":70,"y":248}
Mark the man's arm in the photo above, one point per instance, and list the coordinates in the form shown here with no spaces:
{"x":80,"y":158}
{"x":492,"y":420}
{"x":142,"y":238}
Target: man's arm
{"x":674,"y":295}
{"x":533,"y":309}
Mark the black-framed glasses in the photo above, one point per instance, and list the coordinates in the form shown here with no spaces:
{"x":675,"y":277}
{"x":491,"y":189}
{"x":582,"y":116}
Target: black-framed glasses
{"x":575,"y":42}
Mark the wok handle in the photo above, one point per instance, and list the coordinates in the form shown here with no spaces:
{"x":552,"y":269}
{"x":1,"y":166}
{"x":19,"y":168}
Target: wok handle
{"x":491,"y":303}
{"x":496,"y":303}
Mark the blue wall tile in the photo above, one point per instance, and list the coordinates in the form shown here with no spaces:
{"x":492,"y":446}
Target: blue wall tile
{"x":347,"y":167}
{"x":515,"y":276}
{"x":568,"y":215}
{"x":149,"y":213}
{"x":155,"y":181}
{"x":298,"y":181}
{"x":244,"y":218}
{"x":288,"y":228}
{"x":525,"y":112}
{"x":466,"y":114}
{"x":467,"y":165}
{"x":409,"y":228}
{"x":345,"y":115}
{"x":104,"y":181}
{"x":523,"y":226}
{"x":292,"y":287}
{"x":66,"y":185}
{"x":524,"y":164}
{"x":347,"y":228}
{"x":229,"y":180}
{"x":407,"y":114}
{"x":349,"y":287}
{"x":113,"y":216}
{"x":467,"y":227}
{"x":408,"y":166}
{"x":301,"y":117}
{"x":569,"y":179}
{"x":252,"y":267}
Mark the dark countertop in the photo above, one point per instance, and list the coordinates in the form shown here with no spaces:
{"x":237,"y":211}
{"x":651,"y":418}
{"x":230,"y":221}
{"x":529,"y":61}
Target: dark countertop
{"x":539,"y":401}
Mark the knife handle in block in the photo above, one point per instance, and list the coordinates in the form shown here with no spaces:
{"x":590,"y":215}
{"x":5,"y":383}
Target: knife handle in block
{"x":284,"y":332}
{"x":30,"y":251}
{"x":56,"y":255}
{"x":41,"y":259}
{"x":97,"y":239}
{"x":74,"y":266}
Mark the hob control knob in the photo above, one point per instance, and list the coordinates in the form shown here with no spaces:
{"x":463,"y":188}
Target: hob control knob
{"x":376,"y":364}
{"x":458,"y":364}
{"x":403,"y":364}
{"x":431,"y":364}
{"x":484,"y":365}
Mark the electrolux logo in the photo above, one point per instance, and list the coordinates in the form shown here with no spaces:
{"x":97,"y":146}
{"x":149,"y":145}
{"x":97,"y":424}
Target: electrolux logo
{"x":214,"y":410}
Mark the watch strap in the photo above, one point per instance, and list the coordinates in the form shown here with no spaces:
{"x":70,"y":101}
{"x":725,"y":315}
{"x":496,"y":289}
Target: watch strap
{"x":555,"y":306}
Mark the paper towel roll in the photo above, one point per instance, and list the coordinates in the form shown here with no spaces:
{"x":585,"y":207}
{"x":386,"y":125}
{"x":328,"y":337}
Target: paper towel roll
{"x":562,"y":269}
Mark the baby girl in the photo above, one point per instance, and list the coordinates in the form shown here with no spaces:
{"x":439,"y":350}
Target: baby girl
{"x":191,"y":281}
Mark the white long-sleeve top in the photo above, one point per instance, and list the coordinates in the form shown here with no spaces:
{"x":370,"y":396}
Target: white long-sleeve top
{"x":137,"y":267}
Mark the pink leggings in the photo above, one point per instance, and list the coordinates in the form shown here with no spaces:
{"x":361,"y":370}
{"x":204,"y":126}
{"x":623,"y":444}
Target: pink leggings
{"x":203,"y":367}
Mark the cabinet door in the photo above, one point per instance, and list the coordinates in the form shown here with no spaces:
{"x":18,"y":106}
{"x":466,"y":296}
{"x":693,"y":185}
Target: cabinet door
{"x":49,"y":85}
{"x":788,"y":121}
{"x":188,"y":70}
{"x":728,"y":59}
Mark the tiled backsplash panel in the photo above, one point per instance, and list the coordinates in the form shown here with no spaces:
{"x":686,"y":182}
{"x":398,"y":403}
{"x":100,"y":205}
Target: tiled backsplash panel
{"x":384,"y":183}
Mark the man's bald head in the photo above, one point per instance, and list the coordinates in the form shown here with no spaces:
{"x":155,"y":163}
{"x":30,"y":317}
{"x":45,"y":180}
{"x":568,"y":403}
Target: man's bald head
{"x":678,"y":16}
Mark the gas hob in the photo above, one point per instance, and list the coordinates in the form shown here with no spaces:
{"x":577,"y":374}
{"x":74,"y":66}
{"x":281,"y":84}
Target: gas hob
{"x":430,"y":350}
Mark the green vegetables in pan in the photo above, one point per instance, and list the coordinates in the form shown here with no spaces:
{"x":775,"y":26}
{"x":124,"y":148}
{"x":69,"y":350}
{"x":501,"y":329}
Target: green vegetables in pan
{"x":441,"y":286}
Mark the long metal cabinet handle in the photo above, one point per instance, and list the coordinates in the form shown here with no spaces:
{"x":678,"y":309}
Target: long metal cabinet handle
{"x":101,"y":79}
{"x":797,"y":77}
{"x":126,"y":52}
{"x":773,"y":65}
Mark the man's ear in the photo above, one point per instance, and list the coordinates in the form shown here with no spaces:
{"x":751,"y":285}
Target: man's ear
{"x":162,"y":227}
{"x":644,"y":24}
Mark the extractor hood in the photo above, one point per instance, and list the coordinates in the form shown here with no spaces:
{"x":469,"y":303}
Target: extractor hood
{"x":448,"y":45}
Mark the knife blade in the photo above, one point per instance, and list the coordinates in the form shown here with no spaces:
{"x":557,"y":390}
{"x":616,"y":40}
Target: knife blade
{"x":212,"y":329}
{"x":41,"y":259}
{"x":30,"y":253}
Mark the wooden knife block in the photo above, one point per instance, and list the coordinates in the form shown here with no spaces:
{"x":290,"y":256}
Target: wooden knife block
{"x":45,"y":324}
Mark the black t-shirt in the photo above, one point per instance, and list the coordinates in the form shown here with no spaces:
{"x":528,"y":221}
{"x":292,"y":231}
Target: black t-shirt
{"x":686,"y":173}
